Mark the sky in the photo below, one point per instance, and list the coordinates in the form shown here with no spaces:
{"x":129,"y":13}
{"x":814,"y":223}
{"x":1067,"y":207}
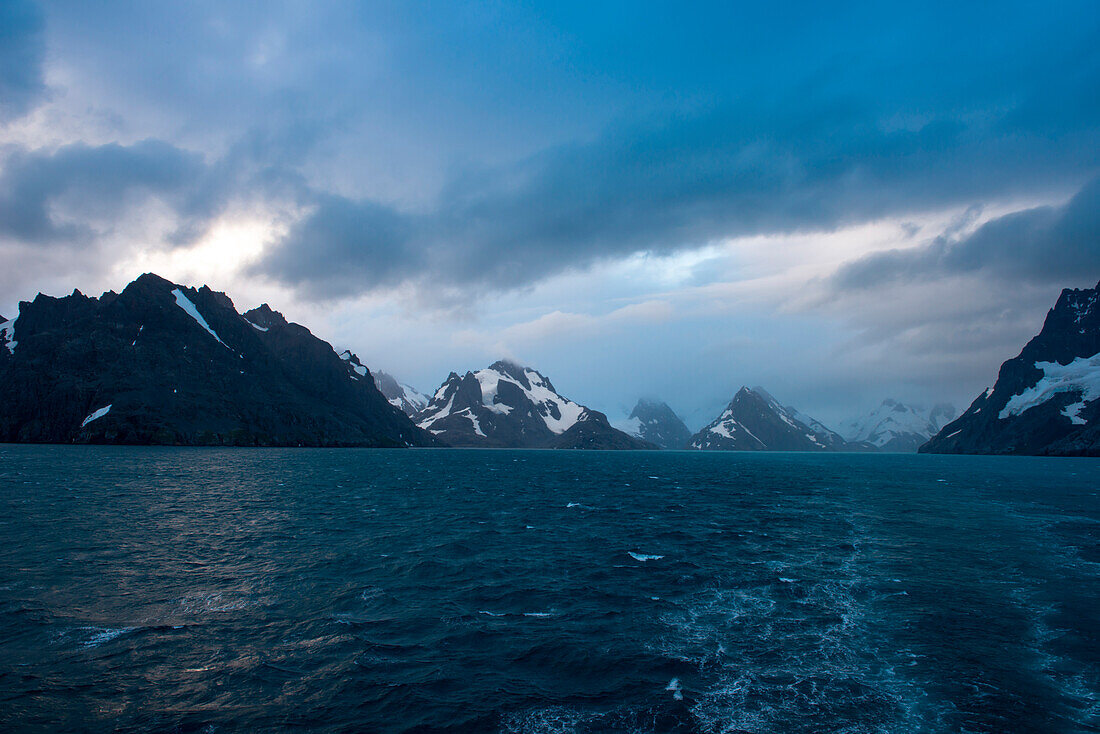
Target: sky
{"x":841,"y":202}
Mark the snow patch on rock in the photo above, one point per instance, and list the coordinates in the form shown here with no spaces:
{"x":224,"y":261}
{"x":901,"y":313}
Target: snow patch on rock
{"x":631,"y":426}
{"x":96,"y":415}
{"x":353,"y":364}
{"x":191,"y":310}
{"x":1081,"y":376}
{"x":7,"y":334}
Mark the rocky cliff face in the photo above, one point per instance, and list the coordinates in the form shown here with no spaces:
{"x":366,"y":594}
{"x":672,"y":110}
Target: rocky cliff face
{"x":510,"y":406}
{"x":162,"y":363}
{"x":655,"y":422}
{"x":1047,"y":399}
{"x":756,"y":421}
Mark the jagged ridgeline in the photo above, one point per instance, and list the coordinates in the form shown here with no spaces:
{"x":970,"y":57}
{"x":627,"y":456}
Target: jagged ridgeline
{"x":1047,"y":399}
{"x":511,"y":406}
{"x":161,"y":363}
{"x":756,"y":421}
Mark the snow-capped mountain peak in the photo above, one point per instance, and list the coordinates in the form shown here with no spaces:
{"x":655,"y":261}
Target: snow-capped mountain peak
{"x":501,"y":389}
{"x":755,"y":421}
{"x":404,"y":397}
{"x":507,"y":404}
{"x":655,"y":422}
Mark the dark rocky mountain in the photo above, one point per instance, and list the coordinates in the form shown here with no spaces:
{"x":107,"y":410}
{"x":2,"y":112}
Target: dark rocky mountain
{"x":510,"y":406}
{"x":161,"y":363}
{"x":401,"y":396}
{"x":756,"y":421}
{"x":1047,"y":399}
{"x":895,"y":426}
{"x":655,"y":422}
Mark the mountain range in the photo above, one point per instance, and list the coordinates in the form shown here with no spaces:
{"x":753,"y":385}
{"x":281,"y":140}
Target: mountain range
{"x":163,"y":363}
{"x":1046,"y":400}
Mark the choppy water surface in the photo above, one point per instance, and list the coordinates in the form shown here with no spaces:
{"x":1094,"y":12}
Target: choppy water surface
{"x":239,"y":590}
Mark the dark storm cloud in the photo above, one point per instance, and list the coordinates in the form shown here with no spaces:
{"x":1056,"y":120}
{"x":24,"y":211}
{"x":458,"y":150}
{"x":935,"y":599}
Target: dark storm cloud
{"x":22,"y":48}
{"x":63,"y":197}
{"x":1039,"y":245}
{"x":89,"y":183}
{"x":678,"y":185}
{"x":371,"y":244}
{"x":581,"y":133}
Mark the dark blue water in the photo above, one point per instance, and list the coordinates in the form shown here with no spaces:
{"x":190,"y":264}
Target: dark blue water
{"x":346,"y":590}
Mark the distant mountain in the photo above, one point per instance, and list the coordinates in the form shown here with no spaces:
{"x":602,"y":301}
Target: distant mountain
{"x":756,"y":421}
{"x":655,"y":422}
{"x":1047,"y":399}
{"x":507,"y":405}
{"x":161,"y":363}
{"x":894,"y":426}
{"x":404,"y":397}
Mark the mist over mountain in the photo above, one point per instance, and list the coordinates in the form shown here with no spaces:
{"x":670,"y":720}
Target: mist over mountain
{"x":654,"y":421}
{"x":405,"y":397}
{"x":896,"y":426}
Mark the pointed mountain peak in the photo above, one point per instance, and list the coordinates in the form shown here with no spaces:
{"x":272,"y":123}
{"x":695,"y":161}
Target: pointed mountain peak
{"x":151,"y":280}
{"x":264,"y":316}
{"x":653,"y":421}
{"x":648,"y":403}
{"x":403,"y":397}
{"x":756,"y":421}
{"x":764,"y":394}
{"x":514,"y":370}
{"x":508,"y":405}
{"x":218,"y":297}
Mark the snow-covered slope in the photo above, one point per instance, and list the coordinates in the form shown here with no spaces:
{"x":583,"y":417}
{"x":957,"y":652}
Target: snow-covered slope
{"x":508,"y":405}
{"x":895,"y":426}
{"x":405,"y":397}
{"x":655,"y":422}
{"x":756,"y":421}
{"x":1046,"y":400}
{"x":1081,"y":377}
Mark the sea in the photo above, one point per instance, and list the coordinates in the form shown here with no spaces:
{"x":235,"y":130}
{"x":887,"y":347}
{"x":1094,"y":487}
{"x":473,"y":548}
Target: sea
{"x":345,"y":590}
